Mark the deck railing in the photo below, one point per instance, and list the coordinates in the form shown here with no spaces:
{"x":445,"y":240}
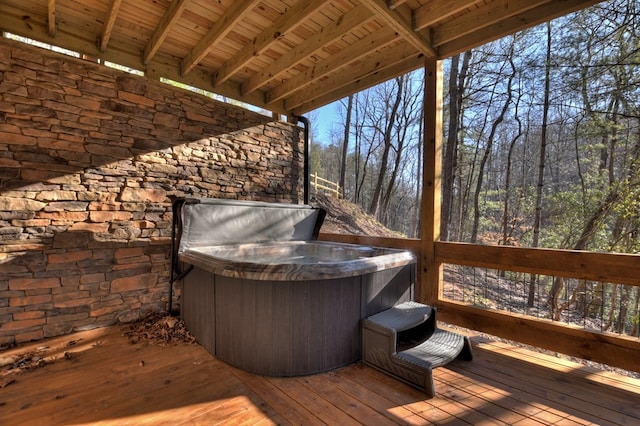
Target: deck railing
{"x":590,"y":304}
{"x":577,"y":269}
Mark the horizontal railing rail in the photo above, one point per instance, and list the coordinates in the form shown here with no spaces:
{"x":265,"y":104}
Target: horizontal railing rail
{"x":607,"y":267}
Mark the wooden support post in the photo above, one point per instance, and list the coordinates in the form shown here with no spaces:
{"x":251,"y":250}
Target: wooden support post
{"x":431,"y":272}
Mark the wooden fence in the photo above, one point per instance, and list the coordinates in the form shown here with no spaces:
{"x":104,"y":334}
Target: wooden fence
{"x":328,"y":187}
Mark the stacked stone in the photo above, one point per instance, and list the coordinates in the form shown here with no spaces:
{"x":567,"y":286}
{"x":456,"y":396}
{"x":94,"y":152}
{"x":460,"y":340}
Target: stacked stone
{"x":90,"y":160}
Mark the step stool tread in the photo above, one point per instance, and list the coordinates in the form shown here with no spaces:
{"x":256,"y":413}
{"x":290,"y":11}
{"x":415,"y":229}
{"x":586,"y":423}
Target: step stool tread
{"x":440,"y":348}
{"x":403,"y":316}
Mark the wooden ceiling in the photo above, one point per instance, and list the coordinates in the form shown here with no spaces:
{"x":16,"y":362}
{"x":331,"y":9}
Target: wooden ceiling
{"x":287,"y":56}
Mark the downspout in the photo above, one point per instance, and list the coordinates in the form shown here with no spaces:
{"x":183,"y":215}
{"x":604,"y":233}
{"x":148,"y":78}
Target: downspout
{"x":176,"y":271}
{"x":305,"y":172}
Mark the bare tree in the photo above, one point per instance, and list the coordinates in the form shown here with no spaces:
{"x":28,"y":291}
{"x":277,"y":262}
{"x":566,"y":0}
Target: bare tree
{"x":345,"y":143}
{"x":490,"y":139}
{"x":387,"y":133}
{"x":507,"y":230}
{"x":457,"y":84}
{"x":543,"y":148}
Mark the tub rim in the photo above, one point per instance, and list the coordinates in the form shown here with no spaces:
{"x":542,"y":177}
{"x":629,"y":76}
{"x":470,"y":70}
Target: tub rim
{"x":202,"y":257}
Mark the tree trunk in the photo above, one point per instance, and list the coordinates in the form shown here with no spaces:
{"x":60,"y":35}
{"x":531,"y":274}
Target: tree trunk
{"x":543,"y":148}
{"x":506,"y":229}
{"x":345,"y":145}
{"x":489,"y":147}
{"x":457,"y":83}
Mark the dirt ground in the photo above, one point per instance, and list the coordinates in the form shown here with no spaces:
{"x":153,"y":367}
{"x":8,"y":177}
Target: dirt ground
{"x":344,"y":217}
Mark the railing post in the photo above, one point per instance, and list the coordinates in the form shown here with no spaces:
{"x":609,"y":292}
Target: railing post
{"x":430,"y":290}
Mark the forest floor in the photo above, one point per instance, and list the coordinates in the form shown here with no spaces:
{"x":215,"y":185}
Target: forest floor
{"x":344,"y":217}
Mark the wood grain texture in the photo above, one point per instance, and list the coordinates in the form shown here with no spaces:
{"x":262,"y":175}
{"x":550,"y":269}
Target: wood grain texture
{"x":271,"y":53}
{"x":102,"y":383}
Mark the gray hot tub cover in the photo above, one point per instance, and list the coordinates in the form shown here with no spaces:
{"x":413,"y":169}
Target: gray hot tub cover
{"x":199,"y":222}
{"x":210,"y":221}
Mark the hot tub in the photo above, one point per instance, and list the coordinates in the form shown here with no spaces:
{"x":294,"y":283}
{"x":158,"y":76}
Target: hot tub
{"x":286,"y":305}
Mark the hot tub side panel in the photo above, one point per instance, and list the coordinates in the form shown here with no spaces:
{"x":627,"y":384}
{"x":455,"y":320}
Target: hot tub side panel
{"x":287,"y":328}
{"x":384,"y":289}
{"x":198,"y":307}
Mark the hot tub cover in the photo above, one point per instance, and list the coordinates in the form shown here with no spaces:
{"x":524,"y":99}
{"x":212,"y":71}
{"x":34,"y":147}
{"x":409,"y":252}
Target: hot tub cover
{"x":212,"y":221}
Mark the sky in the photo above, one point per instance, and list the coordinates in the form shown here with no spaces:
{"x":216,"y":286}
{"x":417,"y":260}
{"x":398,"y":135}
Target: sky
{"x":323,"y":120}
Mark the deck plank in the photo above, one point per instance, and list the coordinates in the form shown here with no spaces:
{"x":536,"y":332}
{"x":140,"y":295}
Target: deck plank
{"x":290,"y":409}
{"x":608,"y":378}
{"x":549,"y":386}
{"x":105,"y":380}
{"x":373,"y":398}
{"x":324,"y":410}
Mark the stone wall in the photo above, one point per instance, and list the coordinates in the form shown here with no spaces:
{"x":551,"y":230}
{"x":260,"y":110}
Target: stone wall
{"x":90,"y":159}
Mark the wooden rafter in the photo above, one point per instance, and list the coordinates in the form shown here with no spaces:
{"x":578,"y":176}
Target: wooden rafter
{"x":473,"y":21}
{"x":333,"y":63}
{"x":437,"y":10}
{"x":109,"y":21}
{"x":51,"y":17}
{"x":395,"y":3}
{"x":400,"y":19}
{"x":219,"y":30}
{"x":330,"y":32}
{"x":288,"y":21}
{"x":332,"y":90}
{"x":523,"y":20}
{"x":358,"y":71}
{"x":291,"y":64}
{"x":167,"y":22}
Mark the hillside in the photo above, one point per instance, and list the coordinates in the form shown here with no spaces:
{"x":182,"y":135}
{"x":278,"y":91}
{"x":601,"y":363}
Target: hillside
{"x":344,"y":217}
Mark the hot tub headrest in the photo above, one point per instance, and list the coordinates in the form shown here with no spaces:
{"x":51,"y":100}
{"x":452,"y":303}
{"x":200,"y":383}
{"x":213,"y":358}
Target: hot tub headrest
{"x":211,"y":221}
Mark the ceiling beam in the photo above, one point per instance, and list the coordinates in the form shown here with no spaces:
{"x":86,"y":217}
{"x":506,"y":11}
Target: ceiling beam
{"x":401,"y":20}
{"x":352,"y":53}
{"x":51,"y":17}
{"x":288,"y":21}
{"x":329,"y":33}
{"x":235,"y":13}
{"x":395,"y":54}
{"x":109,"y":22}
{"x":35,"y":27}
{"x":201,"y":79}
{"x":473,"y":21}
{"x":171,"y":16}
{"x":408,"y":64}
{"x":521,"y":21}
{"x":392,"y":4}
{"x":438,"y":10}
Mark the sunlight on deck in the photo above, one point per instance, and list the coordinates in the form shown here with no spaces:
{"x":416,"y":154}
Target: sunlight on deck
{"x":225,"y":408}
{"x":98,"y":377}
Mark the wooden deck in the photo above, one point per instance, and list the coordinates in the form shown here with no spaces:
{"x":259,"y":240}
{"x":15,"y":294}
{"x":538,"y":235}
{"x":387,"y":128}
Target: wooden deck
{"x":103,"y":379}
